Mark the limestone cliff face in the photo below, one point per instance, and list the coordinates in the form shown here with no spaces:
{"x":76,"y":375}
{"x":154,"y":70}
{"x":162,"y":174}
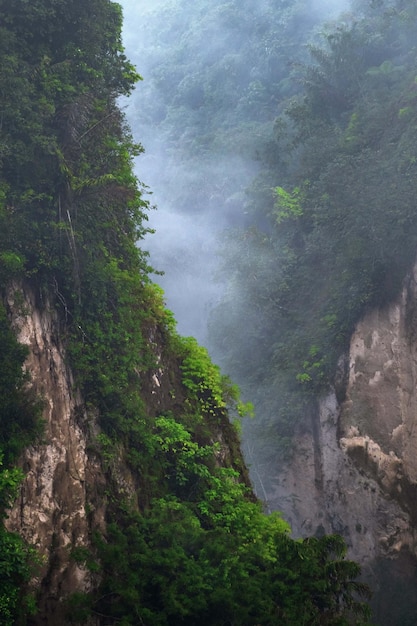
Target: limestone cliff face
{"x":354,"y":471}
{"x":62,"y":498}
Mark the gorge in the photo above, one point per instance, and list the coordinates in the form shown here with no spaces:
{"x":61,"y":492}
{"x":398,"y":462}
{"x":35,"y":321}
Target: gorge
{"x":289,"y":145}
{"x":342,"y":467}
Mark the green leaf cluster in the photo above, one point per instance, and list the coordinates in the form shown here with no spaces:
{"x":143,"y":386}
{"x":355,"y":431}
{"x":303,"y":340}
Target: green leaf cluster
{"x":175,"y":564}
{"x":288,"y":205}
{"x":206,"y":384}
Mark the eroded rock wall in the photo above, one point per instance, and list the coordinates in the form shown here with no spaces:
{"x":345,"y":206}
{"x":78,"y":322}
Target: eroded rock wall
{"x":62,"y":498}
{"x":354,"y":471}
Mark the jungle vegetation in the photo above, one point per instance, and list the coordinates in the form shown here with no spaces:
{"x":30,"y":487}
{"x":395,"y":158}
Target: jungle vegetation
{"x":333,"y":228}
{"x":196,"y":547}
{"x":323,"y":117}
{"x":324,"y":114}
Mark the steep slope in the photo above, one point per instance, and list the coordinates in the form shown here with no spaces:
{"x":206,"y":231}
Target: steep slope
{"x":316,"y":307}
{"x":64,"y":498}
{"x":354,"y":467}
{"x":61,"y":501}
{"x":134,"y":499}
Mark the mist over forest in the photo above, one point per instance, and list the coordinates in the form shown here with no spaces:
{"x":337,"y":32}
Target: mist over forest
{"x":280,"y":150}
{"x":200,"y":157}
{"x":124,"y":495}
{"x":277,"y":141}
{"x":217,"y":76}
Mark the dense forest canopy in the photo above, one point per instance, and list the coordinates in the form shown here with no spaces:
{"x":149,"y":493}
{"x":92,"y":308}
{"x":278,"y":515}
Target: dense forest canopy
{"x":214,"y":77}
{"x":193,"y":545}
{"x":334,"y":228}
{"x":313,"y":113}
{"x":293,"y":129}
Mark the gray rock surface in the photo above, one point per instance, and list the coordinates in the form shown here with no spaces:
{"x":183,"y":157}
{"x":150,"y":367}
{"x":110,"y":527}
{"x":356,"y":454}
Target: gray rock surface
{"x":354,"y":470}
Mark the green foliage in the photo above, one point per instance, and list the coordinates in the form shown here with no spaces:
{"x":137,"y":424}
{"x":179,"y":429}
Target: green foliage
{"x":70,"y":211}
{"x":205,"y":382}
{"x":11,"y":265}
{"x":191,"y":544}
{"x":288,"y":204}
{"x":317,"y":255}
{"x":58,"y":105}
{"x":16,"y":569}
{"x":17,"y":560}
{"x":217,"y":102}
{"x":19,"y":425}
{"x":313,"y":368}
{"x":167,"y":568}
{"x":10,"y":480}
{"x":83,"y":555}
{"x":182,"y":457}
{"x":203,"y":550}
{"x":19,"y":408}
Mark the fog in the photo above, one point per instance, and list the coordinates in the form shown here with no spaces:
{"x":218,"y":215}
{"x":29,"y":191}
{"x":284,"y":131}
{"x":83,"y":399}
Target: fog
{"x":191,"y":211}
{"x":329,"y":8}
{"x":197,"y":117}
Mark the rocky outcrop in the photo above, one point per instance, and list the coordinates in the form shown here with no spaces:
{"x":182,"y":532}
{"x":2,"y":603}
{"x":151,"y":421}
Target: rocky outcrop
{"x":62,"y":499}
{"x":354,"y":471}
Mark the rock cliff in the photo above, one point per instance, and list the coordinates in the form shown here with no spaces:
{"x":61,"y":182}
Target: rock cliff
{"x":62,"y":498}
{"x":65,"y":495}
{"x":354,"y":470}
